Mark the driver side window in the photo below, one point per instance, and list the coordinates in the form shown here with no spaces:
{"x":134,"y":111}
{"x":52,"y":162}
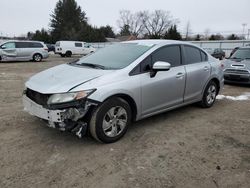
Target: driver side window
{"x":9,"y":45}
{"x":170,"y":54}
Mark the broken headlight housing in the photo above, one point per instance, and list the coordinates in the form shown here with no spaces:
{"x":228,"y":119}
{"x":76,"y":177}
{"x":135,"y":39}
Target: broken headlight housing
{"x":69,"y":97}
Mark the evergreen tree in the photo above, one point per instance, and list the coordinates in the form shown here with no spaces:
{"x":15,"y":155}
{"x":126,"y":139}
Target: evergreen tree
{"x":125,"y":31}
{"x":107,"y":31}
{"x":172,"y":33}
{"x":233,"y":37}
{"x":216,"y":37}
{"x":197,"y":38}
{"x":67,"y":21}
{"x":42,"y":35}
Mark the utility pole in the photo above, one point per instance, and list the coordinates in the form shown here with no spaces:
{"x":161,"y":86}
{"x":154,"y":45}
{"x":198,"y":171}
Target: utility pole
{"x":243,"y":33}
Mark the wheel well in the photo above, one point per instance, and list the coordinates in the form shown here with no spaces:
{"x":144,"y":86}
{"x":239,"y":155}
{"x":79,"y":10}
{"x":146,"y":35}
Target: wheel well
{"x":37,"y":54}
{"x":68,"y":51}
{"x":131,"y":103}
{"x":217,"y":82}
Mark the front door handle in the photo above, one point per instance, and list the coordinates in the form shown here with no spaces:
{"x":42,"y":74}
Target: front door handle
{"x":180,"y":75}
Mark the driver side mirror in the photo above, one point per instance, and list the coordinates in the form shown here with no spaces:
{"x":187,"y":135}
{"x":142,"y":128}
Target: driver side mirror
{"x":159,"y":66}
{"x":3,"y":47}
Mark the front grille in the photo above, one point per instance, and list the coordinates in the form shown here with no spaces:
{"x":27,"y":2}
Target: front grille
{"x":37,"y":97}
{"x":236,"y":78}
{"x":237,"y":71}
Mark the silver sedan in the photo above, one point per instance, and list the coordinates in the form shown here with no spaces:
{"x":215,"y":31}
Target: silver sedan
{"x":125,"y":82}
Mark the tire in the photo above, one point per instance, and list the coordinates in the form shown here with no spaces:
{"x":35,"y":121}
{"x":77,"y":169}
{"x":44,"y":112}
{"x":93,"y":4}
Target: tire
{"x":62,"y":55}
{"x":106,"y":125}
{"x":37,"y":57}
{"x":209,"y":96}
{"x":68,"y":54}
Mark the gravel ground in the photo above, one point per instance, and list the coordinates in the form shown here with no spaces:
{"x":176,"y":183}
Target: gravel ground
{"x":188,"y":147}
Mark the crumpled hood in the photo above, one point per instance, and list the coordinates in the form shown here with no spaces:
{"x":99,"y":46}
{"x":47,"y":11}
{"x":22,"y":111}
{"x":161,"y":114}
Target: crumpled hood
{"x":229,"y":63}
{"x":63,"y":78}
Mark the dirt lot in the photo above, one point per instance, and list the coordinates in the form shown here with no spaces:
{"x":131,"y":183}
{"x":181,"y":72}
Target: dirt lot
{"x":188,"y":147}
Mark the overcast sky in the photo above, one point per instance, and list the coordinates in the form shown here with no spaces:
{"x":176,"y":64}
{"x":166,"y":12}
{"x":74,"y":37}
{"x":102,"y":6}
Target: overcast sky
{"x":227,"y":16}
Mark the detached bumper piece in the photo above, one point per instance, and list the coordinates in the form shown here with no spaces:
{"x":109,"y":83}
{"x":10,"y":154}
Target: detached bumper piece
{"x":68,"y":119}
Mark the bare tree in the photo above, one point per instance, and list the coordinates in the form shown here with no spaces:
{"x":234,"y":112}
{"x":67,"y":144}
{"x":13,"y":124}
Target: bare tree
{"x":133,"y":22}
{"x":157,"y":22}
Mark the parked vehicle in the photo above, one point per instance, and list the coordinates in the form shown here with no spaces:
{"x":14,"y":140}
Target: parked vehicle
{"x":237,"y":67}
{"x":51,"y":48}
{"x":219,"y":54}
{"x":105,"y":91}
{"x":23,"y":51}
{"x":69,"y":48}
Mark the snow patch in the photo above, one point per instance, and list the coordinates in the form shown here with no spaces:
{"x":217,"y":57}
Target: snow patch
{"x":243,"y":97}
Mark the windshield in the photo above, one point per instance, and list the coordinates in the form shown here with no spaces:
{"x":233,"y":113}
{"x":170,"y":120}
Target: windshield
{"x":116,"y":56}
{"x":243,"y":53}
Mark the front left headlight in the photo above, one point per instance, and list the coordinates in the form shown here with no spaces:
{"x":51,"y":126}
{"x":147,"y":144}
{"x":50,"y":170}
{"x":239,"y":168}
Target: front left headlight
{"x":69,"y":97}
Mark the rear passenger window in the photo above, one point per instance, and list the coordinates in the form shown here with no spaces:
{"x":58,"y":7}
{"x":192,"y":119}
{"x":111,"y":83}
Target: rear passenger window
{"x":22,"y":45}
{"x":192,"y":55}
{"x":29,"y":45}
{"x":36,"y":45}
{"x":170,"y":54}
{"x":77,"y":44}
{"x":203,"y":56}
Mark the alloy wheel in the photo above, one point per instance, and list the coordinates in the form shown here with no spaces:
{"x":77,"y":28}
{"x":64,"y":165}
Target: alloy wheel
{"x":114,"y":121}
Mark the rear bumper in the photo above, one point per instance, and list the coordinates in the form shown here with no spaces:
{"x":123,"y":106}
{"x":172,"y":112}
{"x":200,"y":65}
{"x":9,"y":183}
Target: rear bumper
{"x":45,"y":55}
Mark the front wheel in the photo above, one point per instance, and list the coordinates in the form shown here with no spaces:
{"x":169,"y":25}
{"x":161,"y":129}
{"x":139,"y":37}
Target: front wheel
{"x":110,"y":121}
{"x":209,"y":95}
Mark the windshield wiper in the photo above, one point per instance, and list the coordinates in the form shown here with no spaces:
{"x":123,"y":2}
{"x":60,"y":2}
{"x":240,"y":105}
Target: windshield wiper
{"x":73,"y":62}
{"x":95,"y":66}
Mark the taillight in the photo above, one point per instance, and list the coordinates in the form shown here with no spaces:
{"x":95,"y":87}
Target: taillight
{"x":46,"y":49}
{"x":222,"y":65}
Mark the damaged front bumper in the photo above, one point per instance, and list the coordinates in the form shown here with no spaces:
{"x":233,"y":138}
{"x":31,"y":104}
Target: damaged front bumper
{"x":68,"y":119}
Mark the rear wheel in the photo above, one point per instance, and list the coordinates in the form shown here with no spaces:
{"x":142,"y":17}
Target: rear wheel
{"x":110,"y":121}
{"x":209,"y":96}
{"x":68,"y":54}
{"x":37,"y":57}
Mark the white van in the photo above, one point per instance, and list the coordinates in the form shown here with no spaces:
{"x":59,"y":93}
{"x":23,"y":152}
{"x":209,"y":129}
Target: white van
{"x":69,"y":48}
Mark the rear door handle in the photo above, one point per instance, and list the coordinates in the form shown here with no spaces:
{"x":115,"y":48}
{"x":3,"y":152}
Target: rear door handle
{"x":206,"y":68}
{"x":180,"y":75}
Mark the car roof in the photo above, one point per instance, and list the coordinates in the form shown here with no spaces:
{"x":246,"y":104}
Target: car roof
{"x":245,"y":47}
{"x":21,"y":41}
{"x":70,"y":41}
{"x":150,"y":42}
